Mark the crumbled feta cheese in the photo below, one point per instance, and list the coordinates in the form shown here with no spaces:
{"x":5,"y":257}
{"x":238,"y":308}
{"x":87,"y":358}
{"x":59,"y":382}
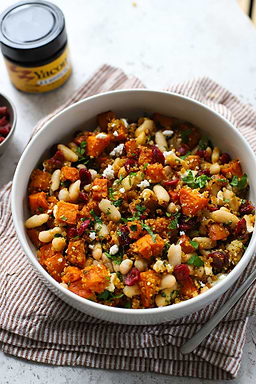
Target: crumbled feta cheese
{"x":92,"y":235}
{"x":109,"y":172}
{"x":91,"y":246}
{"x":60,"y":259}
{"x":115,"y":133}
{"x":114,"y":249}
{"x":125,"y":122}
{"x":182,"y":233}
{"x":101,"y":136}
{"x":117,"y":151}
{"x":95,"y":187}
{"x":208,"y":270}
{"x":249,"y":223}
{"x":220,"y":277}
{"x":167,"y":132}
{"x":194,"y":173}
{"x":220,"y":198}
{"x":111,"y":286}
{"x":169,"y":268}
{"x":159,"y":266}
{"x":167,"y":153}
{"x":143,"y":184}
{"x":122,"y":190}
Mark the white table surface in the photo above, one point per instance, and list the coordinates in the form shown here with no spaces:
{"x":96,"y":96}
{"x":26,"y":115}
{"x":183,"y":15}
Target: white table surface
{"x":162,"y":42}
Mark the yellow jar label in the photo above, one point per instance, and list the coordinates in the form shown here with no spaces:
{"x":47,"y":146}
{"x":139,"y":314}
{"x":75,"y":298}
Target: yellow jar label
{"x":41,"y":79}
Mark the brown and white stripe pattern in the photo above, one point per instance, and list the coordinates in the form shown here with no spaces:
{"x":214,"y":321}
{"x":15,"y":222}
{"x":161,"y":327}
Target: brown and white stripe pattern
{"x":36,"y":325}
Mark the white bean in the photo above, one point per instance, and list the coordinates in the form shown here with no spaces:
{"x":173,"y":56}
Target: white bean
{"x":215,"y":169}
{"x":63,"y":194}
{"x":55,"y":180}
{"x":47,"y":236}
{"x":72,"y":146}
{"x":168,"y":170}
{"x":107,"y":262}
{"x":110,"y":210}
{"x":59,"y":243}
{"x":68,"y":153}
{"x":208,"y":151}
{"x":131,"y":291}
{"x":163,"y":298}
{"x":126,"y":266}
{"x":141,"y":264}
{"x":173,"y":208}
{"x":97,"y":251}
{"x":205,"y":242}
{"x":161,"y":141}
{"x":167,"y":281}
{"x":161,"y":194}
{"x":103,"y":229}
{"x":215,"y":155}
{"x":147,"y":126}
{"x":173,"y":159}
{"x":81,"y":166}
{"x":116,"y":267}
{"x":174,"y":255}
{"x":233,"y":200}
{"x":225,"y":217}
{"x":141,"y":139}
{"x":36,"y":220}
{"x":74,"y":190}
{"x":93,"y":173}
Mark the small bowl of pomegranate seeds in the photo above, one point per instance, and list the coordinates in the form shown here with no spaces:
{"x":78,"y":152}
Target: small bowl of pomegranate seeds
{"x":8,"y":118}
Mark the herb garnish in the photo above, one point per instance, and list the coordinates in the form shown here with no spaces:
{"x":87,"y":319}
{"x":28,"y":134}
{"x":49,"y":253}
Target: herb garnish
{"x":149,"y":230}
{"x":106,"y":295}
{"x":240,"y":184}
{"x":96,"y":218}
{"x":194,"y":244}
{"x":185,"y":134}
{"x":63,"y":218}
{"x":196,"y":261}
{"x":174,"y":223}
{"x":203,"y":143}
{"x":81,"y":149}
{"x":195,"y":182}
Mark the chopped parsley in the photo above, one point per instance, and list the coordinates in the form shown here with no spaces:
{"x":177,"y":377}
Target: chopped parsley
{"x":203,"y":143}
{"x":195,"y":182}
{"x":240,"y":184}
{"x":134,"y":227}
{"x":148,"y":139}
{"x":57,"y":235}
{"x":140,"y":208}
{"x":185,"y":135}
{"x":222,"y":180}
{"x":119,"y":181}
{"x":119,"y":275}
{"x":174,"y":223}
{"x":196,"y":261}
{"x":96,"y":218}
{"x":63,"y":218}
{"x":146,"y":165}
{"x":40,"y":209}
{"x":81,"y":149}
{"x":117,"y":259}
{"x":108,"y":296}
{"x":194,"y":244}
{"x":131,"y":175}
{"x":185,"y":156}
{"x":234,"y":181}
{"x":117,"y":203}
{"x":149,"y":230}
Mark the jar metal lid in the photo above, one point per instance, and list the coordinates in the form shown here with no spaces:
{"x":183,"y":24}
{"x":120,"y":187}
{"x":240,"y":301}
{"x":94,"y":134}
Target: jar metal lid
{"x":32,"y":31}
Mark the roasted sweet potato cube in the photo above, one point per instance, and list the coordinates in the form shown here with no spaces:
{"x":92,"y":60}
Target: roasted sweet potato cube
{"x":163,"y":121}
{"x":192,"y":202}
{"x":135,"y":230}
{"x":189,"y":135}
{"x":132,"y":148}
{"x":45,"y":253}
{"x":55,"y":266}
{"x":69,"y":173}
{"x":66,"y":212}
{"x":85,"y":211}
{"x":232,"y":169}
{"x":218,"y":232}
{"x":95,"y":278}
{"x":76,"y":253}
{"x":79,"y":289}
{"x":147,"y":247}
{"x":99,"y":189}
{"x":95,"y":146}
{"x":117,"y":130}
{"x":185,"y":244}
{"x":71,"y":274}
{"x":155,"y":172}
{"x":149,"y":285}
{"x":38,"y":203}
{"x":39,"y":181}
{"x":145,"y":155}
{"x":104,"y":118}
{"x":33,"y":235}
{"x":188,"y":287}
{"x":193,"y":161}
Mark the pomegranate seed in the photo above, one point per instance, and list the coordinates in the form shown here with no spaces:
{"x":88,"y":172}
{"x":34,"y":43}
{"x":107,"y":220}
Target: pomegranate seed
{"x":3,"y":121}
{"x":219,"y":259}
{"x":71,"y":233}
{"x":204,"y":172}
{"x":132,"y":277}
{"x":85,"y":176}
{"x":1,"y":139}
{"x":183,"y":150}
{"x":225,"y":158}
{"x":3,"y":111}
{"x":181,"y":272}
{"x":83,"y":227}
{"x":124,"y":239}
{"x":246,"y":208}
{"x":4,"y":131}
{"x":83,"y":198}
{"x":240,"y":229}
{"x":171,"y":183}
{"x":157,"y":155}
{"x":129,"y":164}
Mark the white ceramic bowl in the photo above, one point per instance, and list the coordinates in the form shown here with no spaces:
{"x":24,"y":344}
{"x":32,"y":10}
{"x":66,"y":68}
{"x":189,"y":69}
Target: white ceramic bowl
{"x":132,"y":104}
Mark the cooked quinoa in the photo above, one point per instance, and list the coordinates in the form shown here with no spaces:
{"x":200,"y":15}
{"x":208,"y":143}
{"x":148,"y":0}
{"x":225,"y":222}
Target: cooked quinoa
{"x":139,"y":214}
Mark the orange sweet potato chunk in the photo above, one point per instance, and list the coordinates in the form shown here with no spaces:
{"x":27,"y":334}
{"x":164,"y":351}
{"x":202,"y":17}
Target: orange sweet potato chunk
{"x":218,"y":232}
{"x":45,"y":253}
{"x":104,"y":118}
{"x":69,"y":173}
{"x":39,"y":181}
{"x":149,"y":285}
{"x":33,"y":235}
{"x":99,"y":189}
{"x":185,"y":244}
{"x":164,"y":121}
{"x":145,"y":155}
{"x":66,"y":212}
{"x":131,"y":148}
{"x":55,"y":265}
{"x":79,"y":289}
{"x":192,"y":201}
{"x":38,"y":203}
{"x":95,"y":146}
{"x":232,"y":169}
{"x":76,"y":253}
{"x":146,"y":246}
{"x":187,"y":287}
{"x":135,"y":230}
{"x":95,"y":278}
{"x":71,"y":274}
{"x":121,"y":131}
{"x":155,"y":172}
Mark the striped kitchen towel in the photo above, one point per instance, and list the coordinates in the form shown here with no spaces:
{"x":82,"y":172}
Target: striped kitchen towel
{"x":38,"y":326}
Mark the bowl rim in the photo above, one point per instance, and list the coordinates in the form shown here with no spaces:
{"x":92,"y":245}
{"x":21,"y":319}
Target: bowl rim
{"x":211,"y":294}
{"x":13,"y":126}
